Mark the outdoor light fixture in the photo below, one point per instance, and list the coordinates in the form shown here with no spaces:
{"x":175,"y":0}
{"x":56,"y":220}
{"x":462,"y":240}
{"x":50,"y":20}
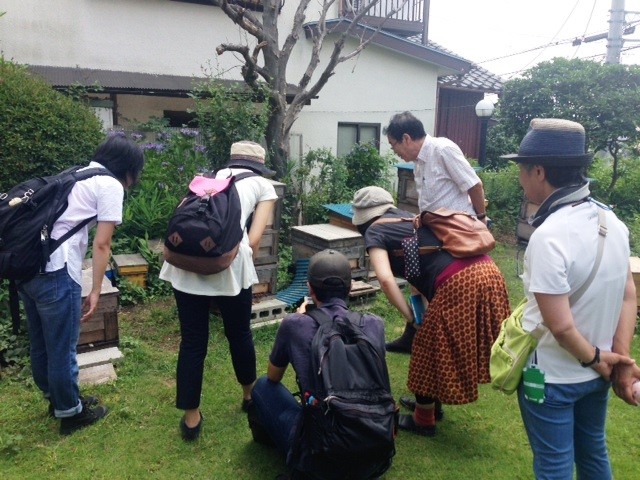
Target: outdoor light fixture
{"x":484,"y":110}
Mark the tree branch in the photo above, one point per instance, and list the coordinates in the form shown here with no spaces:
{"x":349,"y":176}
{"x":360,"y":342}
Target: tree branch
{"x":336,"y":56}
{"x":244,"y":18}
{"x":250,"y":69}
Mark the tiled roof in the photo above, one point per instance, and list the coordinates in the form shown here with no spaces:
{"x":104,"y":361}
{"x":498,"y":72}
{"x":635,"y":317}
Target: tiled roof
{"x":115,"y":81}
{"x":387,"y":39}
{"x":477,"y":78}
{"x":60,"y":77}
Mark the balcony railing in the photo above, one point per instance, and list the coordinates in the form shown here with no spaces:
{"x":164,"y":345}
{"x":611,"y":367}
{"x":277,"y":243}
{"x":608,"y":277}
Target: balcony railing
{"x":408,"y":20}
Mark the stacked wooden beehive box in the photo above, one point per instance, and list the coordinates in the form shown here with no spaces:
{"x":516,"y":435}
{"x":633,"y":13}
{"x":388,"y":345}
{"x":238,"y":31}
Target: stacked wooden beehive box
{"x":101,"y":330}
{"x":341,"y":236}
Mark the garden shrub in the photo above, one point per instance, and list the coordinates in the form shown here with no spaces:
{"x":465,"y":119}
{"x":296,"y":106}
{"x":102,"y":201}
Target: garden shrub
{"x":170,"y":164}
{"x":499,"y":143}
{"x":502,"y":189}
{"x":365,"y":167}
{"x":624,"y":197}
{"x":227,"y":115}
{"x":322,"y":178}
{"x":14,"y":349}
{"x":41,"y":131}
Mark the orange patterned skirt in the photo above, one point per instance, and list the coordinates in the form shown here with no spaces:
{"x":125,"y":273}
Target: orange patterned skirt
{"x":450,"y":352}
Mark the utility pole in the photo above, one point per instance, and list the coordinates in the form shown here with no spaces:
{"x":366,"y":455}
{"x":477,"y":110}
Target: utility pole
{"x":614,"y":39}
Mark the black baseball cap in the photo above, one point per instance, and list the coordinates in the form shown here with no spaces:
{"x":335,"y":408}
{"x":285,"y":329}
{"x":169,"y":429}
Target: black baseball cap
{"x":329,"y":268}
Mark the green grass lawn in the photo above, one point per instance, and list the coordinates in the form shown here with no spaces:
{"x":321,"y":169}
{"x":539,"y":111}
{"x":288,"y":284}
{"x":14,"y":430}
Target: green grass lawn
{"x":140,"y":437}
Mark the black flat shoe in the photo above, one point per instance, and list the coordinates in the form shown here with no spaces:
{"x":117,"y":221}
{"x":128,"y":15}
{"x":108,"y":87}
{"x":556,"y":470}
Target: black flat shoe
{"x":410,"y":404}
{"x":246,"y":404}
{"x":189,"y":434}
{"x":406,"y":422}
{"x":402,"y":344}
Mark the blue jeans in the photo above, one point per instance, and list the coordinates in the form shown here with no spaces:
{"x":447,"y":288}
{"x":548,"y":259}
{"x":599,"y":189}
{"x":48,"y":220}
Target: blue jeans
{"x":278,"y":411}
{"x":52,"y":302}
{"x":568,"y":427}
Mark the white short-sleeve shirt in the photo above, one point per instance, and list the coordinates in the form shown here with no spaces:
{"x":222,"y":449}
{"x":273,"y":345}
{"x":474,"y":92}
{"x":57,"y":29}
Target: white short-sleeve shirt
{"x":100,"y":196}
{"x":241,"y":273}
{"x":559,"y":258}
{"x":443,"y":176}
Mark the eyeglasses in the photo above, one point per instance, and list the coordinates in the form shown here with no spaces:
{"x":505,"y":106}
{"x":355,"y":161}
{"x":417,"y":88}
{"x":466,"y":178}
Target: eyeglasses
{"x":393,"y":144}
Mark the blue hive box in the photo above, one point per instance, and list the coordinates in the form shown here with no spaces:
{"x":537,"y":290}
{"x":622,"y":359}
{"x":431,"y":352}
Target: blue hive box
{"x":340,"y":214}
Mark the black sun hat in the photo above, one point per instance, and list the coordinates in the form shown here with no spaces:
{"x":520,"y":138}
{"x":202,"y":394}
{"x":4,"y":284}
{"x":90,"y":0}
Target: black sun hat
{"x":246,"y":154}
{"x":553,"y":142}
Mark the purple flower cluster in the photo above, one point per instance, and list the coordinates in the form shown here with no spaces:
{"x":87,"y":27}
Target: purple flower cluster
{"x":116,"y":133}
{"x":189,"y":132}
{"x":163,"y":136}
{"x":156,"y":147}
{"x":200,"y":148}
{"x":137,"y":136}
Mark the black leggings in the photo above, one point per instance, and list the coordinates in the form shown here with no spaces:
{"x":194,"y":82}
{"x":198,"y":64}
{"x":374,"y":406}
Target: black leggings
{"x":193,"y":312}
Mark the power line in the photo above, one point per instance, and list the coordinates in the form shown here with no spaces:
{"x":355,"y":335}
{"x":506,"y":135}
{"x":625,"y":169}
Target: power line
{"x":593,"y":7}
{"x":589,"y":57}
{"x":556,"y":34}
{"x":629,"y":28}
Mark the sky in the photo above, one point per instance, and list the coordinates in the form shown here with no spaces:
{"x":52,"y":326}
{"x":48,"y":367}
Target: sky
{"x":496,"y":33}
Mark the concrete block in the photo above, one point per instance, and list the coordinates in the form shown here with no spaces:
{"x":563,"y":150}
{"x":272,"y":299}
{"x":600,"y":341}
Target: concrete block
{"x":97,"y":374}
{"x":99,"y":357}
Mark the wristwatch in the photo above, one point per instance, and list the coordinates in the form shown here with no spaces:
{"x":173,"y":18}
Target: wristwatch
{"x":596,"y":359}
{"x":481,"y":216}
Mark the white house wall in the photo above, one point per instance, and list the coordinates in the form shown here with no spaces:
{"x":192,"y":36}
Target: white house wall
{"x":150,"y":36}
{"x":369,"y":89}
{"x":166,"y":37}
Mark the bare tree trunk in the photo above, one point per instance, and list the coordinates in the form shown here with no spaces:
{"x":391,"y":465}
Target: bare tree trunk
{"x":278,"y":142}
{"x":276,"y":56}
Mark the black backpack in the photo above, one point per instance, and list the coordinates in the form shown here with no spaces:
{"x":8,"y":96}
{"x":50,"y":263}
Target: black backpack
{"x":27,"y":215}
{"x":348,"y":423}
{"x":204,"y":232}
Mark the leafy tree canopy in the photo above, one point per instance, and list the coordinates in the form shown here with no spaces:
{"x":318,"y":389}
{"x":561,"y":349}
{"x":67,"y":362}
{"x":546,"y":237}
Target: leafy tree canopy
{"x":605,"y":99}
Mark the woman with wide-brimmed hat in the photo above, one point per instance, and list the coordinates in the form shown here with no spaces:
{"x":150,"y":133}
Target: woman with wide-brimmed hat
{"x":467,"y":302}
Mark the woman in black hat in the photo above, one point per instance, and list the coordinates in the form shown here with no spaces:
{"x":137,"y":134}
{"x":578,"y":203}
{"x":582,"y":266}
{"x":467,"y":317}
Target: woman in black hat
{"x":581,"y":301}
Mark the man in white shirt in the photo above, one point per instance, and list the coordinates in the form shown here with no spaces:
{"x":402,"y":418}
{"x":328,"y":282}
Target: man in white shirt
{"x":444,"y":179}
{"x":52,"y":299}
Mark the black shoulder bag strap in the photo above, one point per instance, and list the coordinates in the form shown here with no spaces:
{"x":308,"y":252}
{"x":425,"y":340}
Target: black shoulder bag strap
{"x":79,"y":175}
{"x":321,"y":317}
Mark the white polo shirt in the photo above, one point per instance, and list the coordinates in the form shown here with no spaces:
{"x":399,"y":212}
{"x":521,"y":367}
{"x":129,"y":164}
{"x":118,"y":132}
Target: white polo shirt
{"x":101,"y":196}
{"x":558,"y":260}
